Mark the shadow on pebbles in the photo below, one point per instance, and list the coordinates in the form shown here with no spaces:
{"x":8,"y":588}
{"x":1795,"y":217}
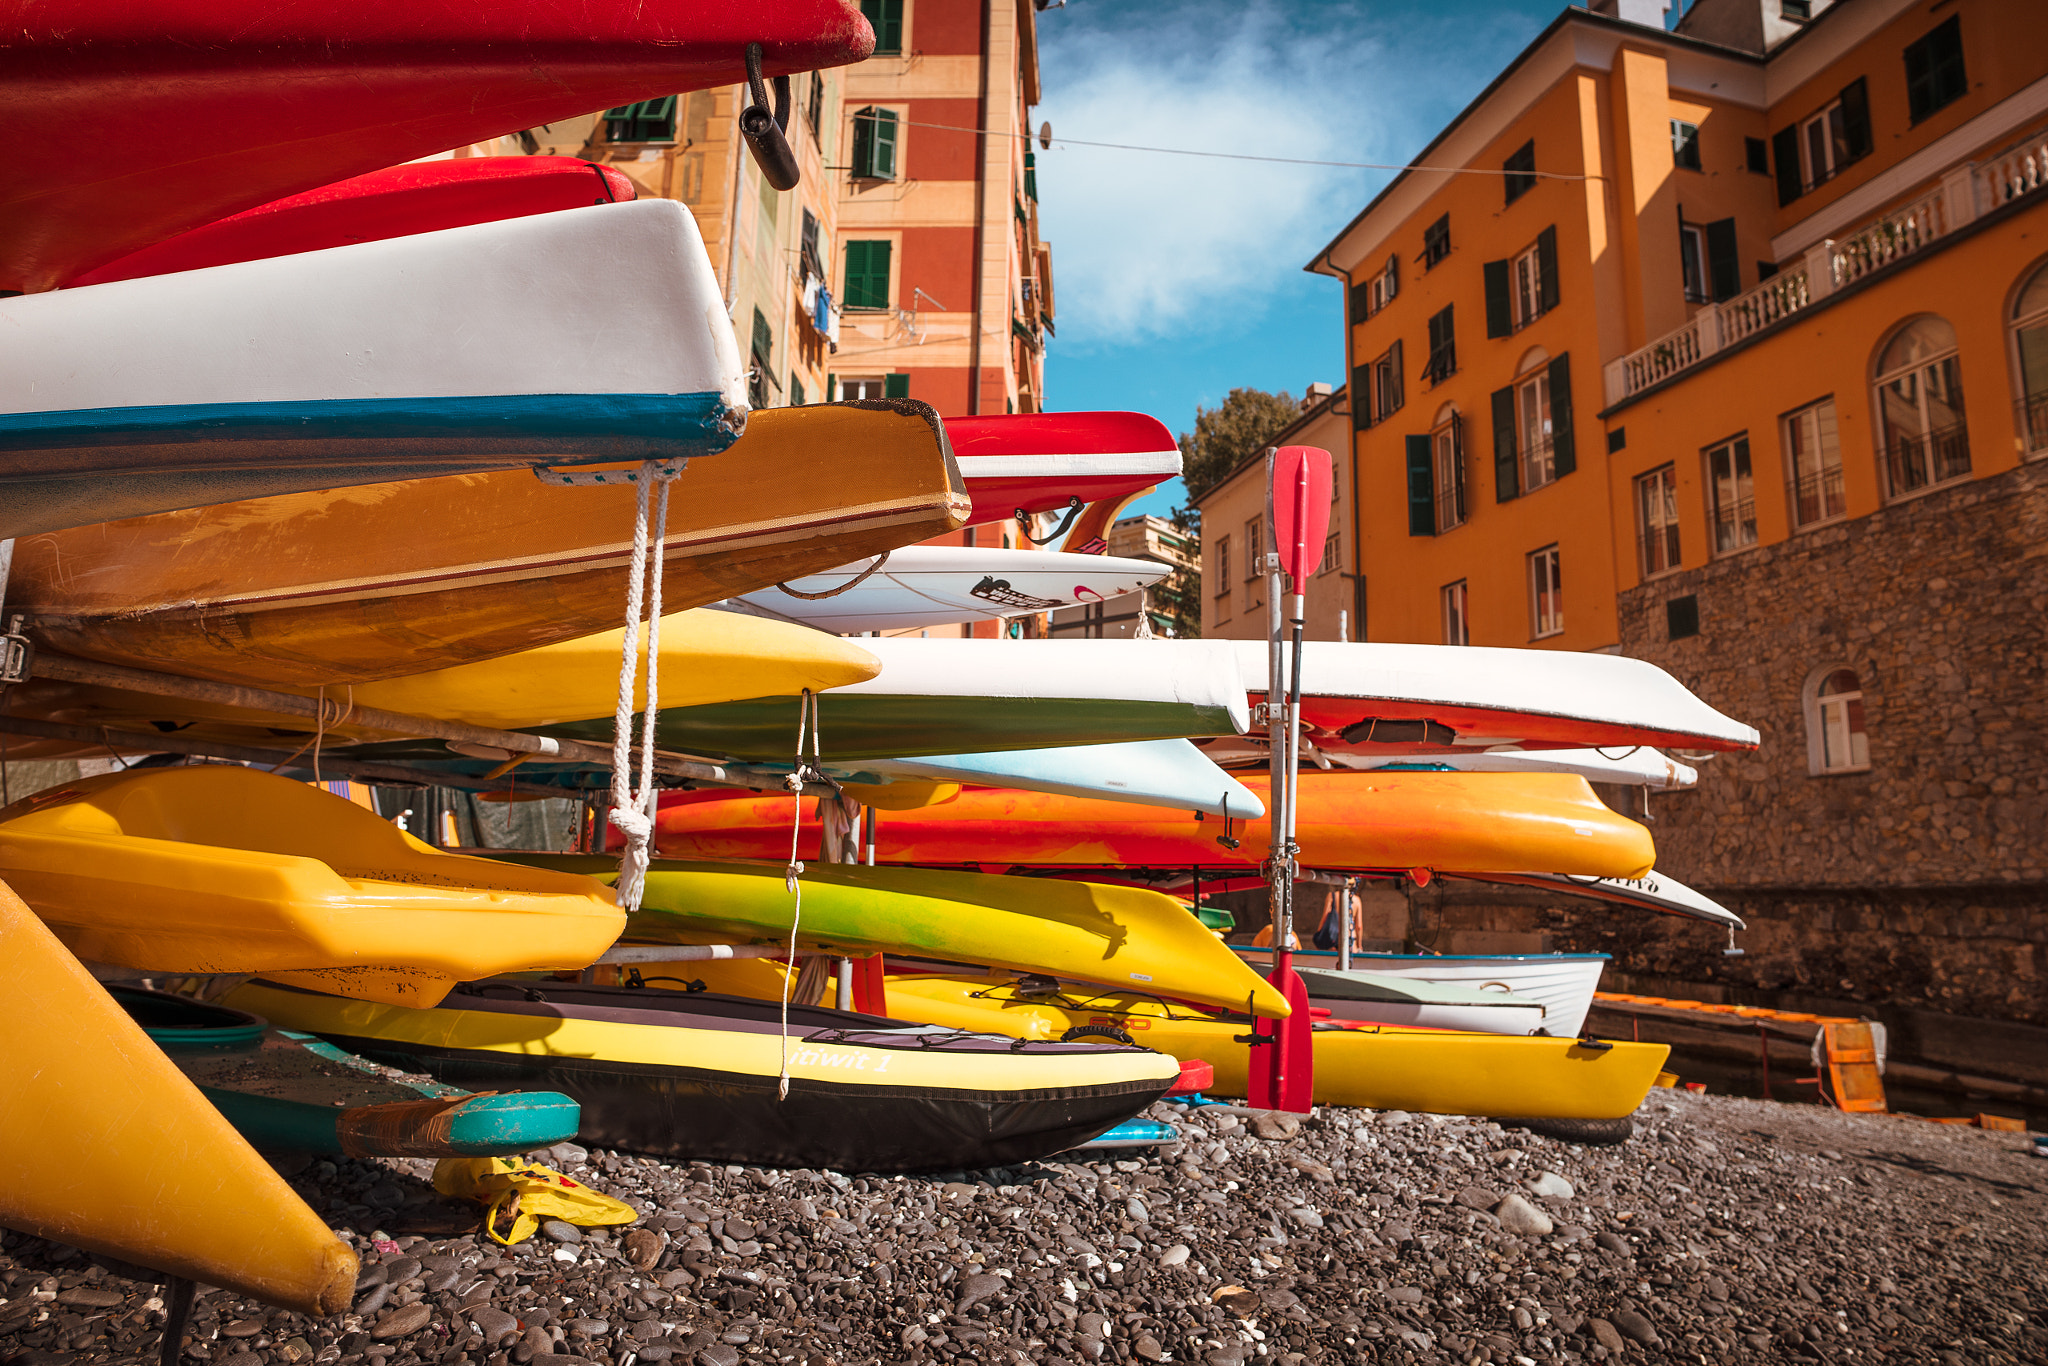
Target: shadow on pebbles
{"x":1724,"y":1230}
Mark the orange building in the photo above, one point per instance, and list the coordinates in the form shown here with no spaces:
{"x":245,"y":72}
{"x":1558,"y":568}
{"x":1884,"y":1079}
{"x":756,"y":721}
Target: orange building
{"x":1734,"y":357}
{"x":946,"y":286}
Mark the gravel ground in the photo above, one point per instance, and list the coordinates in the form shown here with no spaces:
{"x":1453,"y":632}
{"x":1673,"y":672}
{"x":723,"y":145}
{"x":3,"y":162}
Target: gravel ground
{"x":1726,"y":1229}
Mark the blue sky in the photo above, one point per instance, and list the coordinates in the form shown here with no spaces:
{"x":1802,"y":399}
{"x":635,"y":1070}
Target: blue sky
{"x":1179,"y":278}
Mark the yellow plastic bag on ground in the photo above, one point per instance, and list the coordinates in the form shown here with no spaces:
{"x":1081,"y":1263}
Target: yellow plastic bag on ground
{"x":517,"y":1195}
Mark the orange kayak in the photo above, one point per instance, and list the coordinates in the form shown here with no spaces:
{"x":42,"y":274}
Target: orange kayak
{"x":1464,"y":822}
{"x":350,"y":585}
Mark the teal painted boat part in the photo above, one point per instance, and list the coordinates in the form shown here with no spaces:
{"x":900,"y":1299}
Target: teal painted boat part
{"x":499,"y":1125}
{"x":178,"y":1025}
{"x":1134,"y":1133}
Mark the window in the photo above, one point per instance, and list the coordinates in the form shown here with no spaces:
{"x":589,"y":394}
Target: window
{"x":1731,"y":496}
{"x":1756,"y":155}
{"x":1370,"y":296}
{"x":1376,"y":389}
{"x":1692,"y":261}
{"x":1254,"y":575}
{"x":886,"y":18}
{"x":2030,"y":344}
{"x":1447,"y":472}
{"x":647,"y":121}
{"x":814,"y":109}
{"x":1812,"y":151}
{"x":1657,"y":520}
{"x":874,"y":144}
{"x":1532,"y":431}
{"x":1522,"y":288}
{"x":1222,"y":589}
{"x":852,"y":390}
{"x":763,"y":358}
{"x":1546,"y":594}
{"x":1521,"y":171}
{"x":1443,"y":348}
{"x":1835,"y":739}
{"x":1920,"y":408}
{"x":813,"y":263}
{"x":1934,"y":70}
{"x":1685,"y":145}
{"x":1457,"y":623}
{"x":1331,"y":551}
{"x":1796,"y":9}
{"x":867,"y":275}
{"x":797,"y":397}
{"x":1813,"y":463}
{"x":1436,"y":241}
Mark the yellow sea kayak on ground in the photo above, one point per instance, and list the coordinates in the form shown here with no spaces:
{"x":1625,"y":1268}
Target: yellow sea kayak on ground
{"x":108,"y":1147}
{"x":708,"y":658}
{"x":227,"y":869}
{"x":1381,"y":1067}
{"x":1085,"y":930}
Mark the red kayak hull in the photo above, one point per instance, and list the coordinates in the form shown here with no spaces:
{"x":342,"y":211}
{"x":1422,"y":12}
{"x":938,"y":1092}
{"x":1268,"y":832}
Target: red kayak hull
{"x":398,"y":201}
{"x":219,"y":107}
{"x":1090,"y":456}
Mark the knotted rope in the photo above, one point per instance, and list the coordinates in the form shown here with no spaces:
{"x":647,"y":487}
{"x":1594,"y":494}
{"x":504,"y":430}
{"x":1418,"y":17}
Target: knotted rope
{"x":633,"y":803}
{"x":805,"y":770}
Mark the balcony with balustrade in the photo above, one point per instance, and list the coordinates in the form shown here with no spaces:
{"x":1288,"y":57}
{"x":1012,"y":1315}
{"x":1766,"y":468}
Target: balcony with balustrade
{"x":1965,"y":193}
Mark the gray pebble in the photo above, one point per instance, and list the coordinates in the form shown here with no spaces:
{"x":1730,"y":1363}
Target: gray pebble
{"x":560,"y":1231}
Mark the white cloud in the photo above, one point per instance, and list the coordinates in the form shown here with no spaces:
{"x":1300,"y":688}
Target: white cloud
{"x":1146,"y":244}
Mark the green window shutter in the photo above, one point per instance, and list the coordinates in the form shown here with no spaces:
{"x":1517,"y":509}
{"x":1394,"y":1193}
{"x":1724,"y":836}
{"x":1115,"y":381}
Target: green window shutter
{"x":1785,"y":156}
{"x":886,"y":18}
{"x":1546,"y":265}
{"x":1500,"y":317}
{"x":874,"y":144}
{"x":796,"y":392}
{"x":1361,"y":397}
{"x":1399,"y":379}
{"x":1856,"y":119}
{"x":1934,"y":70}
{"x":1507,"y":478}
{"x":831,"y":388}
{"x":867,"y":274}
{"x":1031,"y":177}
{"x":896,"y":385}
{"x":1421,"y":489}
{"x":1561,"y":416}
{"x":1724,"y":267}
{"x":764,"y":339}
{"x":1361,"y":303}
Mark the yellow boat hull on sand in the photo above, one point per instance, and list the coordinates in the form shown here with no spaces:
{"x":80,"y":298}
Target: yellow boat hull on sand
{"x":226,"y":869}
{"x":708,"y":658}
{"x":108,"y":1147}
{"x":1381,"y":1068}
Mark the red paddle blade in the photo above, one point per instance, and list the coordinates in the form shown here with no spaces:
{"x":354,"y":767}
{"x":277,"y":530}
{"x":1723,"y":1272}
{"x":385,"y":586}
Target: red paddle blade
{"x":1301,"y":508}
{"x":1283,"y":1072}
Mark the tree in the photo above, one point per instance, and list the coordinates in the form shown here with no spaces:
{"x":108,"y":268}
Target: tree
{"x":1235,"y":430}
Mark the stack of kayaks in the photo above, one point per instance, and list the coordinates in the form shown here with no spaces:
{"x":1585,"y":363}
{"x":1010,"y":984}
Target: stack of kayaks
{"x":698,"y":1075}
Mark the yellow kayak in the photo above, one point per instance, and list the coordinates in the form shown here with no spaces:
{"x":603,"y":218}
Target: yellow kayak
{"x":708,"y":658}
{"x":108,"y":1147}
{"x":1086,"y":930}
{"x":1381,"y":1067}
{"x":226,"y":869}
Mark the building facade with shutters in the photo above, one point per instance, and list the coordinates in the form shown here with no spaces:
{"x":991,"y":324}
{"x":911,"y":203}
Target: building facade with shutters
{"x":945,"y":282}
{"x":1804,"y":467}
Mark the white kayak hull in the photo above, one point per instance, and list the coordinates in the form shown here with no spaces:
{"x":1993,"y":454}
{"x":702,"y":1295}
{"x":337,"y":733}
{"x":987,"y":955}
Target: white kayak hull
{"x":1562,"y":983}
{"x":1169,"y":773}
{"x":1653,"y":891}
{"x":1636,"y":767}
{"x":1519,"y":1018}
{"x":935,"y":585}
{"x":593,"y":334}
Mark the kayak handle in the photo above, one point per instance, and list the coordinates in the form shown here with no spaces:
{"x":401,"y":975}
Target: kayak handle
{"x":1024,"y":523}
{"x":764,"y":131}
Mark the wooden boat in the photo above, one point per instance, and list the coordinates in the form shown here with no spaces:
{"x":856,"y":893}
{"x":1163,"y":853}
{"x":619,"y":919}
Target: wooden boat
{"x":1380,"y":999}
{"x":1468,"y":822}
{"x":978,"y":696}
{"x":1563,"y":982}
{"x":347,"y":586}
{"x":231,"y":104}
{"x":1378,"y":1066}
{"x":1425,"y":699}
{"x":1038,"y":462}
{"x":694,"y":1076}
{"x":1117,"y":935}
{"x":707,"y":657}
{"x":289,"y":1092}
{"x":586,"y":336}
{"x":399,"y":201}
{"x":227,"y":869}
{"x":939,"y":585}
{"x":109,"y":1148}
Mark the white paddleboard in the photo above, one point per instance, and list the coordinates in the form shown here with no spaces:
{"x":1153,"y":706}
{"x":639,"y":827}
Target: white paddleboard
{"x":592,"y":334}
{"x":1653,"y":891}
{"x":938,"y":585}
{"x":1148,"y":772}
{"x":1636,"y":766}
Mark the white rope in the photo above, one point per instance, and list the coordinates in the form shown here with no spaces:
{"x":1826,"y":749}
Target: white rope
{"x":806,"y":710}
{"x":633,"y":804}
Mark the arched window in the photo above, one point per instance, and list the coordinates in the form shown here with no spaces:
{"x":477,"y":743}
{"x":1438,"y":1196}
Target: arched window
{"x":1835,"y":738}
{"x":1920,"y":407}
{"x":2030,"y":345}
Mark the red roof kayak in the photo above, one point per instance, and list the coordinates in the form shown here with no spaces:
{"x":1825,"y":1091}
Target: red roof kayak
{"x":398,"y":201}
{"x":1038,"y":461}
{"x":219,"y":107}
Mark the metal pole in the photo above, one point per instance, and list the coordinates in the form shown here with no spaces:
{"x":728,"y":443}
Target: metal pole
{"x":1344,"y":919}
{"x":871,"y":839}
{"x":846,"y":984}
{"x":1277,"y":879}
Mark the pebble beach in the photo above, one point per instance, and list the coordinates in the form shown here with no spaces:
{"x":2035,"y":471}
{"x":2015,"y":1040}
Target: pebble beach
{"x":1722,"y":1230}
